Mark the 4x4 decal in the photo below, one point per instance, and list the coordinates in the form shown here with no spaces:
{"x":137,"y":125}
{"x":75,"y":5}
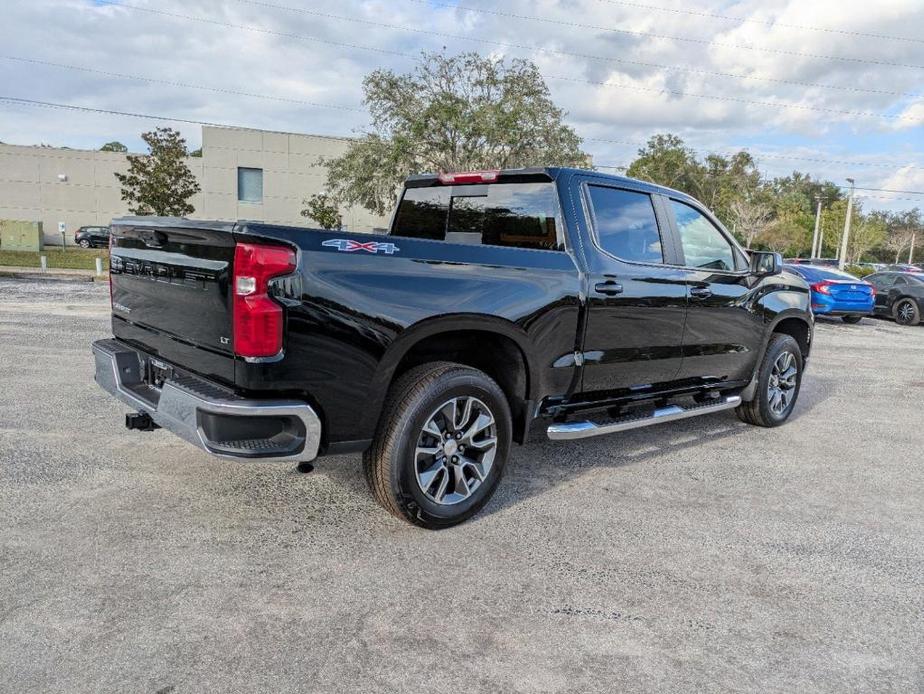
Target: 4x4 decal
{"x":349,"y":245}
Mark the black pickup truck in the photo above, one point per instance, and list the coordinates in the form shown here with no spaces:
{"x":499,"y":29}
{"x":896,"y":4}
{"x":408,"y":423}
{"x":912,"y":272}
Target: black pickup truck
{"x":596,"y":302}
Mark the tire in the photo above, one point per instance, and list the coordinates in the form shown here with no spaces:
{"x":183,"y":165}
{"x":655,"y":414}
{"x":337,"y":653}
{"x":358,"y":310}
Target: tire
{"x":83,"y":243}
{"x":761,"y":411}
{"x":906,"y":312}
{"x":853,"y":320}
{"x":398,"y":466}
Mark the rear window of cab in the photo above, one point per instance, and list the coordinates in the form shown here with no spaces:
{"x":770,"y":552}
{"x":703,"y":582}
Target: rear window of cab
{"x":521,"y":215}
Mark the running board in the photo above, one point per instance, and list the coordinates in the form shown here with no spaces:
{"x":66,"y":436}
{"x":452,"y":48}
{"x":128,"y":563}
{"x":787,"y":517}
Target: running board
{"x":581,"y":430}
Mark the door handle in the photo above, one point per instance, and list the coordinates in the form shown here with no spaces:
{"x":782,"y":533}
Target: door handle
{"x":700,"y":292}
{"x":610,"y":288}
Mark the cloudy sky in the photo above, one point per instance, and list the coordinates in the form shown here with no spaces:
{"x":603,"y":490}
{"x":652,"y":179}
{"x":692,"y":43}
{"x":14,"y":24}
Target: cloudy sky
{"x":831,"y":87}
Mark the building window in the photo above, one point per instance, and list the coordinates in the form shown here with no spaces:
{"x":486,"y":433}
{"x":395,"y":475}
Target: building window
{"x":249,"y":185}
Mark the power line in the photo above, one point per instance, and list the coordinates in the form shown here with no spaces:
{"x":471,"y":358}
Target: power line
{"x":186,"y":85}
{"x":88,"y":109}
{"x":887,"y":190}
{"x":741,"y":100}
{"x":220,"y":90}
{"x":785,"y":157}
{"x":713,"y":97}
{"x":646,"y":34}
{"x":260,"y":30}
{"x":550,"y":51}
{"x":71,"y":107}
{"x":764,"y":22}
{"x":883,"y":197}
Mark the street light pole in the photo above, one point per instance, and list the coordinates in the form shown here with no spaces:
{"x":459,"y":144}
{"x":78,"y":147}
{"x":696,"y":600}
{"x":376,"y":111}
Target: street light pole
{"x":816,"y":252}
{"x":842,"y":258}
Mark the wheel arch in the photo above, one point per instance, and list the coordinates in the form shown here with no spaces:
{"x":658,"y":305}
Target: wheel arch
{"x":793,"y":323}
{"x":494,"y":345}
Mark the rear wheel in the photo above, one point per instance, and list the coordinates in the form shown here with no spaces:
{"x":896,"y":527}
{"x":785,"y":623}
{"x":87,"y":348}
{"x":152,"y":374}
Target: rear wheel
{"x":441,"y":445}
{"x":778,"y":383}
{"x":906,"y":312}
{"x":851,"y":319}
{"x":84,"y":243}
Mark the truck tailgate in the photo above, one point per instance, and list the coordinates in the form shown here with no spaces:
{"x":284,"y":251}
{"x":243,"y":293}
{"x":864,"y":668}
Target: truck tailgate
{"x":171,"y":290}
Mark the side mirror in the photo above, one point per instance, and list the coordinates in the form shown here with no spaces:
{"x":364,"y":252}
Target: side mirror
{"x":766,"y":263}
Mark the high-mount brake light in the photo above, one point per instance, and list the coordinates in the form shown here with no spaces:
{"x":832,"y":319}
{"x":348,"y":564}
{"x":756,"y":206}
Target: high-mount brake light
{"x":257,"y":318}
{"x":488,"y":176}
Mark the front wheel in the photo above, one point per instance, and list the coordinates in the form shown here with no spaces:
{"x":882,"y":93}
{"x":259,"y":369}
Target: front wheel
{"x":851,"y":319}
{"x":441,"y":445}
{"x":906,"y":312}
{"x":778,"y":383}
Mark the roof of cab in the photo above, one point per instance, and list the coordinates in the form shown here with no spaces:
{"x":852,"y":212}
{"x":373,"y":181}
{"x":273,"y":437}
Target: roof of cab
{"x":548,"y":173}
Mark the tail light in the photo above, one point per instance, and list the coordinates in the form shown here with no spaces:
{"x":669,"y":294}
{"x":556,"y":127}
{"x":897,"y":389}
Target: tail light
{"x":822,"y":287}
{"x":469,"y":177}
{"x":872,"y":290}
{"x":257,"y":319}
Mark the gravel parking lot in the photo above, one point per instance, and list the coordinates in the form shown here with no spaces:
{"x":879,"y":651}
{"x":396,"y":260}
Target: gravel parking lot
{"x":702,"y":555}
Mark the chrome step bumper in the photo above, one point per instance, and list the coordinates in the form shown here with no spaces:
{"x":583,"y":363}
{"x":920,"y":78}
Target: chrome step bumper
{"x":580,"y":430}
{"x":208,"y":415}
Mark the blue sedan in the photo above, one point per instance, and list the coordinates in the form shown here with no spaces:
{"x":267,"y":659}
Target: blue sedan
{"x":835,"y":293}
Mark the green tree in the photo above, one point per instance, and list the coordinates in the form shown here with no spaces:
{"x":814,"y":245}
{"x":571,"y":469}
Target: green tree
{"x":667,"y":161}
{"x":450,"y":114}
{"x":750,"y":217}
{"x":321,"y":209}
{"x":866,"y":232}
{"x":806,"y":190}
{"x":832,"y":227}
{"x":113,"y":146}
{"x":159,"y":183}
{"x":718,"y":180}
{"x":901,"y":227}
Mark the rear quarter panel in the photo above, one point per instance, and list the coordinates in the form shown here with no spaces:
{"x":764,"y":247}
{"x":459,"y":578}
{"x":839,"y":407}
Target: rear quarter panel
{"x":353,"y":315}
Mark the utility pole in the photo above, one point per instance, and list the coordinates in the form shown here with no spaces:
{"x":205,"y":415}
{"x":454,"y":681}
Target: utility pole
{"x":816,"y":252}
{"x":842,"y":258}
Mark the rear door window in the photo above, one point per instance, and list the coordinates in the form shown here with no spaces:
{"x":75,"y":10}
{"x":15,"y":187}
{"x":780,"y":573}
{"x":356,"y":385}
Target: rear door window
{"x":521,"y":215}
{"x":625,"y":224}
{"x":881,"y":281}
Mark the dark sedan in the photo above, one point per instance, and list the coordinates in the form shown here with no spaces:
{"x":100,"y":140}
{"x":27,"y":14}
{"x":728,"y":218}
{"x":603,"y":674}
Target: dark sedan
{"x":899,"y":295}
{"x":903,"y":267}
{"x":92,"y":237}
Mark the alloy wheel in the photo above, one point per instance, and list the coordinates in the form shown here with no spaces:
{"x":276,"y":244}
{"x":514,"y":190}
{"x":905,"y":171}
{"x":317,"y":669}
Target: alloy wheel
{"x":781,"y":387}
{"x":455,"y":450}
{"x":904,"y":312}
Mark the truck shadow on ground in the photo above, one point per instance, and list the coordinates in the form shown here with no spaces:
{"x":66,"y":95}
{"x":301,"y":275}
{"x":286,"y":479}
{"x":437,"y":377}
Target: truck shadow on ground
{"x":542,"y":465}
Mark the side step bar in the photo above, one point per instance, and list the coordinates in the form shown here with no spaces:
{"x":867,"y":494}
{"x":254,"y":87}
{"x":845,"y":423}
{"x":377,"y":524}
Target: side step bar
{"x":581,"y":430}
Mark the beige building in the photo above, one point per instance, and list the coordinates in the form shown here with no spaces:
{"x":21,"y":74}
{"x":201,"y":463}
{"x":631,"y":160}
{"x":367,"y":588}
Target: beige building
{"x":244,"y":174}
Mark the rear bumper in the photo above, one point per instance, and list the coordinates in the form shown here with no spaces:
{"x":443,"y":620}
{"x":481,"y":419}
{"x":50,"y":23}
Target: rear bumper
{"x":825,"y":306}
{"x":206,"y":414}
